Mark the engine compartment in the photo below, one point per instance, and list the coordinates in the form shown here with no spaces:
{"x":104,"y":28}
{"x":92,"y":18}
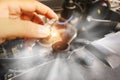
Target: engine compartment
{"x":92,"y":55}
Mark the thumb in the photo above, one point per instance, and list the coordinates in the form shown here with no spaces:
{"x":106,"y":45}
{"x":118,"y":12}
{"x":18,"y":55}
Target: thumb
{"x":19,"y":28}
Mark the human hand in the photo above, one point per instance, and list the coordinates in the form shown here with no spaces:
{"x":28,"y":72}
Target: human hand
{"x":20,"y":18}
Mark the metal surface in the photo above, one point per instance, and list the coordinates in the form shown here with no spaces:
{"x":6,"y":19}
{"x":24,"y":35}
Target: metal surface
{"x":82,"y":65}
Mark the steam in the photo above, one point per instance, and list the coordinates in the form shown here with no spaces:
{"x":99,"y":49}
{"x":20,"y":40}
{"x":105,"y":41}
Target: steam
{"x":81,"y":64}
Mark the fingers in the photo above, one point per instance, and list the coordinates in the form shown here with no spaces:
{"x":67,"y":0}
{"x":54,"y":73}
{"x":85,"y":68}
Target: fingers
{"x":42,"y":9}
{"x":12,"y":28}
{"x":19,"y":28}
{"x":35,"y":6}
{"x":32,"y":17}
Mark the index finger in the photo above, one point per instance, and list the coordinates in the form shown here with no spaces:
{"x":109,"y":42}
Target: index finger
{"x":43,"y":9}
{"x":39,"y":8}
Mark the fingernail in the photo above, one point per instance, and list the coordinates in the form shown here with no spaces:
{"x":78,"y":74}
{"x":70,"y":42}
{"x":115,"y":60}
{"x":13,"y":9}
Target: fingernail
{"x":54,"y":15}
{"x":44,"y":31}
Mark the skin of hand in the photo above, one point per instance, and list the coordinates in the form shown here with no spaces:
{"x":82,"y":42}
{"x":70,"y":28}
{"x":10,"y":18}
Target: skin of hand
{"x":20,"y":19}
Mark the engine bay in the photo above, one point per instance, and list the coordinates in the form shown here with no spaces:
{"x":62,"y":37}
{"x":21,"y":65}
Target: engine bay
{"x":84,"y":45}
